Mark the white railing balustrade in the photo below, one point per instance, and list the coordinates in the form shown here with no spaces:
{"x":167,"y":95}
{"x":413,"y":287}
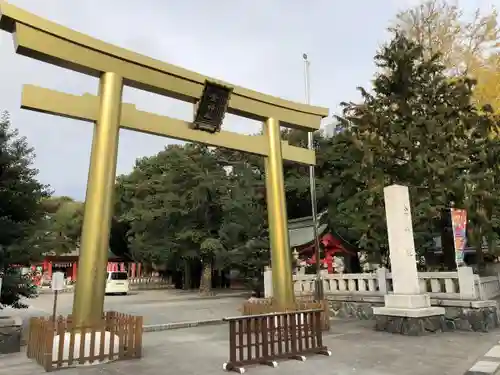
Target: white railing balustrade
{"x":356,"y":283}
{"x":487,"y":287}
{"x":436,"y":284}
{"x":361,"y":283}
{"x":463,"y":284}
{"x":303,"y":284}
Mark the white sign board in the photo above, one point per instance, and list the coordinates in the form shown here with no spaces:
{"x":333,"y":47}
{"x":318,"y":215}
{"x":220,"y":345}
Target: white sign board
{"x":57,"y":281}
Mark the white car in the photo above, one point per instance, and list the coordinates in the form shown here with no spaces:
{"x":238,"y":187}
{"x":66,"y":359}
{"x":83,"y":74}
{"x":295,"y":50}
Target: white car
{"x":117,"y":283}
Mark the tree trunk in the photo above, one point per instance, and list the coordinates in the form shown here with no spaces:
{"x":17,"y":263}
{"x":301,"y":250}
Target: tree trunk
{"x":206,"y":279}
{"x":353,"y":263}
{"x":187,"y":275}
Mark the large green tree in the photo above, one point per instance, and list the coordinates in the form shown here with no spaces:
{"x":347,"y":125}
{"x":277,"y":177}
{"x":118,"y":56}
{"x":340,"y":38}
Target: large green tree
{"x":21,"y":213}
{"x":173,"y":204}
{"x":412,"y":128}
{"x":63,"y":225}
{"x":244,"y":227}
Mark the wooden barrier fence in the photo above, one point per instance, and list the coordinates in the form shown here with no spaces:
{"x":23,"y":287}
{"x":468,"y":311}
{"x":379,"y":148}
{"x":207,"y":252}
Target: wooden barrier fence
{"x":279,"y":336}
{"x":268,"y":306}
{"x":48,"y":347}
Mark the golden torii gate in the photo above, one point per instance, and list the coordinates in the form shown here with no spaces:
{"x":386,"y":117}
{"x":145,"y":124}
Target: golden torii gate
{"x":47,"y":41}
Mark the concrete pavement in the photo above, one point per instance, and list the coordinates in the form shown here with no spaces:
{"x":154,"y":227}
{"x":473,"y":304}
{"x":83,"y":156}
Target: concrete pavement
{"x":357,"y":349}
{"x":157,"y":307}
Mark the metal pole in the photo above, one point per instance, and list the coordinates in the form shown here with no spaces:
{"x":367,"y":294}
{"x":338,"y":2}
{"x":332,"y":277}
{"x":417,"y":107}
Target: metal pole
{"x":312,"y":186}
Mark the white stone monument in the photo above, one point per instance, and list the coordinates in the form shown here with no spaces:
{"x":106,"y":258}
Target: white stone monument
{"x":407,"y":301}
{"x":268,"y":282}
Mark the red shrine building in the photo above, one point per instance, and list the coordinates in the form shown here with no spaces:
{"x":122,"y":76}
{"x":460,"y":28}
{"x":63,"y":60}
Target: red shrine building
{"x":68,"y":264}
{"x":301,"y":235}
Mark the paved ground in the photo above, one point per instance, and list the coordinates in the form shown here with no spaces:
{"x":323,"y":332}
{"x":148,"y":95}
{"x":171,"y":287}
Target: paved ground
{"x":356,"y":348}
{"x":157,"y":307}
{"x":487,"y":364}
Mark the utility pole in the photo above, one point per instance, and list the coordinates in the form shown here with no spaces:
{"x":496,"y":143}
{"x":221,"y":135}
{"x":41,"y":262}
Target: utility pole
{"x":318,"y":290}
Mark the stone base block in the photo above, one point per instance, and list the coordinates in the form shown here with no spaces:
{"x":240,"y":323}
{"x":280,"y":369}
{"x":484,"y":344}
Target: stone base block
{"x":407,"y":301}
{"x":479,"y":319}
{"x":409,"y":313}
{"x":10,"y":335}
{"x":409,"y":326}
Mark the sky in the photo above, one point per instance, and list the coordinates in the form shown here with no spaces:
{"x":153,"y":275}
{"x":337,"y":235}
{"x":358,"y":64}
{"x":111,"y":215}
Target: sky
{"x":255,"y":44}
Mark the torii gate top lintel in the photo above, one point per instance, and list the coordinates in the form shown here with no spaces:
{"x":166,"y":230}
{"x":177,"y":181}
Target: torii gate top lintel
{"x":50,"y":42}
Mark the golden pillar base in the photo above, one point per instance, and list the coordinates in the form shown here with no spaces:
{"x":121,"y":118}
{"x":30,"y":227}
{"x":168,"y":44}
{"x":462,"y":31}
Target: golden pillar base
{"x":281,"y":259}
{"x":88,"y":304}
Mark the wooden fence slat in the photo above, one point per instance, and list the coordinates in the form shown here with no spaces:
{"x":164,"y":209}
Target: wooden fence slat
{"x":83,"y":334}
{"x":232,"y":341}
{"x":248,"y":338}
{"x":300,"y":329}
{"x":102,"y":340}
{"x":306,"y":330}
{"x":319,"y":336}
{"x":272,"y":336}
{"x":286,"y":332}
{"x":123,"y":328}
{"x":293,"y":332}
{"x":131,"y":333}
{"x":60,"y":331}
{"x":138,"y":336}
{"x":48,"y":344}
{"x":241,"y":351}
{"x":265,"y":338}
{"x":92,"y":356}
{"x":257,"y":336}
{"x":112,"y":332}
{"x":71,"y":354}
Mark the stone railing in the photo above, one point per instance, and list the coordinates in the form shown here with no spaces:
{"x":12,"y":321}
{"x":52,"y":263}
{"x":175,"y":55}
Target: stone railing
{"x":361,"y":283}
{"x":487,"y":287}
{"x":462,"y":284}
{"x":436,"y":284}
{"x":347,"y":283}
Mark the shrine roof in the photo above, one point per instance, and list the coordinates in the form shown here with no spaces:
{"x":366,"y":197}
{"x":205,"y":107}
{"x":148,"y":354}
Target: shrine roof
{"x":301,"y":230}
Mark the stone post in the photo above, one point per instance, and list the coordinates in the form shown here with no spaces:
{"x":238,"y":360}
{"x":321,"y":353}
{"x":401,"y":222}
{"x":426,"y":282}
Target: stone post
{"x":407,"y":310}
{"x":467,"y":283}
{"x":382,"y":280}
{"x":268,"y":282}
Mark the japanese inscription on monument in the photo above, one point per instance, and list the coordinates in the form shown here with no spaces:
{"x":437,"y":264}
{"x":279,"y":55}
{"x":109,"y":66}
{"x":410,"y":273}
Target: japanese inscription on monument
{"x":410,"y":250}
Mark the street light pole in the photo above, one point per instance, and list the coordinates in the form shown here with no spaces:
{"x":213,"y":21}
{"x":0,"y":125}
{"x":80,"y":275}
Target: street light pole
{"x":312,"y":186}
